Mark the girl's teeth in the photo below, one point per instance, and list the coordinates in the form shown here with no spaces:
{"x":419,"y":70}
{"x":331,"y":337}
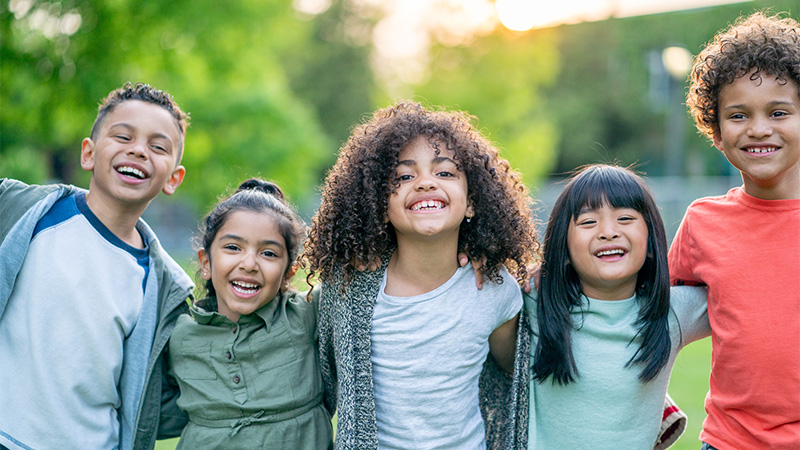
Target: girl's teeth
{"x":610,"y":252}
{"x":426,"y":204}
{"x":245,"y":287}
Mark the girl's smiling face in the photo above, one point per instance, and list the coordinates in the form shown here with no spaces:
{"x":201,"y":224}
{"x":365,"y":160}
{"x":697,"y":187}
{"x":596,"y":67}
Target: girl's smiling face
{"x":247,"y":263}
{"x":431,"y":196}
{"x":607,"y":248}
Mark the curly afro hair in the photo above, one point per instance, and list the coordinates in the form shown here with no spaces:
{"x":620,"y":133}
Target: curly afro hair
{"x":768,"y":44}
{"x":350,"y":224}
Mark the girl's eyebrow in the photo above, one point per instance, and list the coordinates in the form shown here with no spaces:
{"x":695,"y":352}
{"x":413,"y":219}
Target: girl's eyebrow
{"x":436,"y":160}
{"x":234,"y":237}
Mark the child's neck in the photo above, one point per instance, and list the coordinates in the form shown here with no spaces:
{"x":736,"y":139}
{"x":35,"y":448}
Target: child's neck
{"x":121,"y":223}
{"x":788,"y":190}
{"x":417,"y":267}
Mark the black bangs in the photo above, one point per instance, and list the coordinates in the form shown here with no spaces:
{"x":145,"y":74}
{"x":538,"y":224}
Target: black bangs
{"x":606,"y":185}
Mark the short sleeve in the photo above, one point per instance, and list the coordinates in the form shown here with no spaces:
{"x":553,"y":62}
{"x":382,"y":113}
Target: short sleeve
{"x":508,"y":297}
{"x":691,"y":309}
{"x":681,"y":269}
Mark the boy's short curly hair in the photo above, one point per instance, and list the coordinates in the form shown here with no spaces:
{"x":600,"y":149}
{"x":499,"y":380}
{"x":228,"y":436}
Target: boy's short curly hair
{"x":769,"y":44}
{"x":144,"y":93}
{"x":350,"y":224}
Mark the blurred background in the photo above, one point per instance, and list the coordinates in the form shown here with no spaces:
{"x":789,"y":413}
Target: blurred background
{"x":274,"y":87}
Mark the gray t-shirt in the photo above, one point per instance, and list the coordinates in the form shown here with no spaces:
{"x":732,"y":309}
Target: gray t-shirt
{"x":427,"y":354}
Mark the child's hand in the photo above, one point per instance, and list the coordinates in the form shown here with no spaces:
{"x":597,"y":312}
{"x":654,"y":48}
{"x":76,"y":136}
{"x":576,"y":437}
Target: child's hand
{"x":534,"y":271}
{"x":463,"y":259}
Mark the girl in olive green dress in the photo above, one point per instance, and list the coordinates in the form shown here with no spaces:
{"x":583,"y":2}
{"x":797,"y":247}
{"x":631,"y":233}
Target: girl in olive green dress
{"x":246,"y":358}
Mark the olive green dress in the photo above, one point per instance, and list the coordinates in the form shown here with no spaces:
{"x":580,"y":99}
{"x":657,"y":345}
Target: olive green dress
{"x":251,"y":384}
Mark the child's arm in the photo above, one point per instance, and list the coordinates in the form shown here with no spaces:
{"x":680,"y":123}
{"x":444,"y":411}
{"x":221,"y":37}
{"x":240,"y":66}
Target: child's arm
{"x":503,"y":344}
{"x":172,"y":419}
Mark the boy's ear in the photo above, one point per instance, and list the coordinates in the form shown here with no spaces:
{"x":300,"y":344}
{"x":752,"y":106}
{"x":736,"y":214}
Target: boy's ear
{"x":717,"y":139}
{"x":174,"y":180}
{"x":87,"y":155}
{"x":205,"y":264}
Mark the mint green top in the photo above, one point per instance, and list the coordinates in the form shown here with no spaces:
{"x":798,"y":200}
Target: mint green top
{"x":251,"y":384}
{"x":608,"y":407}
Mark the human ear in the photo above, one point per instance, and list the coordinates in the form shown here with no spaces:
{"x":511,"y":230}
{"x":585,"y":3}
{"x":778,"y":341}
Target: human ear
{"x":87,"y":155}
{"x":717,"y":138}
{"x":174,"y":180}
{"x":205,"y":264}
{"x":287,"y":278}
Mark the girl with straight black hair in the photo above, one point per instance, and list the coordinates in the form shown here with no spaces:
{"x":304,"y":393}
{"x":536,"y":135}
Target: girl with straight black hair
{"x":607,"y":327}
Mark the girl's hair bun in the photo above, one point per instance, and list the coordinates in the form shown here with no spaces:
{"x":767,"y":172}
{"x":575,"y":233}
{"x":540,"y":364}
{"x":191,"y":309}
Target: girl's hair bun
{"x":255,"y":184}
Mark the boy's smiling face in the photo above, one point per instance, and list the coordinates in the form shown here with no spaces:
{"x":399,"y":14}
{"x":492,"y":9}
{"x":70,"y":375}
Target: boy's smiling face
{"x":134,"y":157}
{"x":759,"y":133}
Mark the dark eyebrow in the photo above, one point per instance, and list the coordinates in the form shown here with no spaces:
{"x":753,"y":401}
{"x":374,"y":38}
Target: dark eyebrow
{"x":770,"y":104}
{"x":237,"y":238}
{"x":131,"y":128}
{"x":436,"y":160}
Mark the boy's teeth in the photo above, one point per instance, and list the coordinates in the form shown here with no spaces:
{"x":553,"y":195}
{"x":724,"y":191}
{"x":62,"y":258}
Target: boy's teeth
{"x":610,"y":252}
{"x":136,"y":173}
{"x":761,"y":149}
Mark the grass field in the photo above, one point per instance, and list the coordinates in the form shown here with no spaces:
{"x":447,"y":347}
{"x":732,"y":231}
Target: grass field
{"x":687,"y":387}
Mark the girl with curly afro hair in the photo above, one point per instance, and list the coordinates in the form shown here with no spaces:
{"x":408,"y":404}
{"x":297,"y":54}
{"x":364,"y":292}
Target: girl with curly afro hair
{"x":404,"y":344}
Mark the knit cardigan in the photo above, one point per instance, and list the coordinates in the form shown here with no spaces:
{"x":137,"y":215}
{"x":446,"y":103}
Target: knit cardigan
{"x":345,"y":319}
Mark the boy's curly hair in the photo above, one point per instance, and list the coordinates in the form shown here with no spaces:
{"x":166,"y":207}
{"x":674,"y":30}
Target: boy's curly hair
{"x":350,"y":226}
{"x":769,"y":44}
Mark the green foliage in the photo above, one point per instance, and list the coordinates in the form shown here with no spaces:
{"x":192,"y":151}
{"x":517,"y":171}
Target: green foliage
{"x":499,"y":79}
{"x":607,"y":102}
{"x":229,"y":66}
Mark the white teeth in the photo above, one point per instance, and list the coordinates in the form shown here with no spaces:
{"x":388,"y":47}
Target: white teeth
{"x":761,"y":149}
{"x":428,"y":204}
{"x":136,"y":173}
{"x":246,"y":288}
{"x":610,"y":252}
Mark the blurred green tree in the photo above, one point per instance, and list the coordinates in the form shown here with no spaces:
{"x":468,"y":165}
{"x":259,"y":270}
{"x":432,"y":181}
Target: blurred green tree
{"x":232,"y":66}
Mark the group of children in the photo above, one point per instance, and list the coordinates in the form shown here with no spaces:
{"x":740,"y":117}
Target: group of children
{"x":410,"y":348}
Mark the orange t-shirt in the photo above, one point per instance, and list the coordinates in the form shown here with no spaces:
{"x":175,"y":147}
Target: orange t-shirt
{"x":747,"y":251}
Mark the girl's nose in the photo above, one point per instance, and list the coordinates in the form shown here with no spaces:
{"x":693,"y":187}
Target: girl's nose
{"x":248,"y":262}
{"x":608,"y":231}
{"x":425,"y":183}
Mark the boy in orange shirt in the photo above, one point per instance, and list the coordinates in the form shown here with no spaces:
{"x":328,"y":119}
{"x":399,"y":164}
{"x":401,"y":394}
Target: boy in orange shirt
{"x":745,"y":245}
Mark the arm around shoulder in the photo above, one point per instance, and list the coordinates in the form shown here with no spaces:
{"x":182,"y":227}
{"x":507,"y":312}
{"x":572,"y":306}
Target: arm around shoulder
{"x":689,"y":303}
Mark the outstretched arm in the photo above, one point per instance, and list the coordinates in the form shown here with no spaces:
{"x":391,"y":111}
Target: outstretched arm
{"x":503,"y":344}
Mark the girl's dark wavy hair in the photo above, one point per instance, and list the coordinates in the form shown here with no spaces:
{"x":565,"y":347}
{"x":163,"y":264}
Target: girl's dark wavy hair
{"x":257,"y":196}
{"x":769,"y":44}
{"x":349,"y":225}
{"x":560,"y":293}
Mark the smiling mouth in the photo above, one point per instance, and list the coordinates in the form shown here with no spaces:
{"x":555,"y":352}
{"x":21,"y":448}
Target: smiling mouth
{"x":760,"y":150}
{"x":427,"y":205}
{"x":131,"y":172}
{"x":244,"y":288}
{"x":606,"y":253}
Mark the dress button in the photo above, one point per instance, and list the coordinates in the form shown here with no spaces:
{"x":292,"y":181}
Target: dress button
{"x":235,"y":329}
{"x":228,"y":356}
{"x":236,"y":379}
